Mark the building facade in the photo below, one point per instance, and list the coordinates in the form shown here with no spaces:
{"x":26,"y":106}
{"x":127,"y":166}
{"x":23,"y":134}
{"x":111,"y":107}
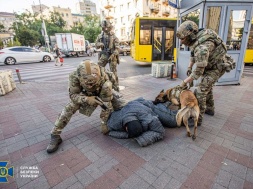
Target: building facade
{"x":7,"y":19}
{"x":37,"y":9}
{"x":86,"y":7}
{"x":122,"y":13}
{"x":64,"y":12}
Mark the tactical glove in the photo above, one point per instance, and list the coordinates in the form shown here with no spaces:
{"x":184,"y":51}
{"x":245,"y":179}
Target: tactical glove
{"x":91,"y":100}
{"x":183,"y":86}
{"x":189,"y":71}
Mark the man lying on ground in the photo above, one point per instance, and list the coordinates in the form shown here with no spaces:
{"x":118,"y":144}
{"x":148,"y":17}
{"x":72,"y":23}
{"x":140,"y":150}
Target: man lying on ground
{"x":142,"y":120}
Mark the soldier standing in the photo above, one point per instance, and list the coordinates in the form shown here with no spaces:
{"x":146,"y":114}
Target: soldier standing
{"x":89,"y":86}
{"x":109,"y":44}
{"x":208,"y":53}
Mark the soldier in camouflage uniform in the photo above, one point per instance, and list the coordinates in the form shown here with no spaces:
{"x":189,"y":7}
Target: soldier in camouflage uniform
{"x":208,"y":53}
{"x":87,"y":83}
{"x":109,"y":44}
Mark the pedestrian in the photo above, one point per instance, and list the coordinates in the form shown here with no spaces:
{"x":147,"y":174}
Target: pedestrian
{"x":58,"y":55}
{"x":89,"y":86}
{"x":208,"y":53}
{"x":142,"y":120}
{"x":109,"y":44}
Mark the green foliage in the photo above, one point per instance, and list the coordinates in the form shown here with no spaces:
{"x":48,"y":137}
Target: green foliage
{"x":31,"y":23}
{"x":193,"y":16}
{"x":2,"y":29}
{"x":15,"y":43}
{"x":28,"y":37}
{"x":1,"y":44}
{"x":92,"y":28}
{"x":57,"y":20}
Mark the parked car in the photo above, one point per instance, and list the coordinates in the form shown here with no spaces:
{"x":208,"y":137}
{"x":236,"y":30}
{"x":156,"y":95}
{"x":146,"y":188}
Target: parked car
{"x":13,"y":55}
{"x":125,"y":50}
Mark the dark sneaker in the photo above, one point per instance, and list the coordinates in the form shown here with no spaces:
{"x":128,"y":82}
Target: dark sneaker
{"x":209,"y":112}
{"x":54,"y":143}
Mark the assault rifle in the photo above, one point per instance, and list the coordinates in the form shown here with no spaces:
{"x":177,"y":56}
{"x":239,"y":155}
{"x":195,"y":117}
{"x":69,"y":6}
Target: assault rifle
{"x":103,"y":106}
{"x":105,"y":50}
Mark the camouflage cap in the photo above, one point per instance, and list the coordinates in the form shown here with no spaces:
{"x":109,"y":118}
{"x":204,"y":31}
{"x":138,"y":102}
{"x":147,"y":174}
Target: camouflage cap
{"x":187,"y":28}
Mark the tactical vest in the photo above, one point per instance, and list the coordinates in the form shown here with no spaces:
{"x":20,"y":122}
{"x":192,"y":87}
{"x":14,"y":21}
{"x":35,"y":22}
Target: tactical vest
{"x":219,"y":51}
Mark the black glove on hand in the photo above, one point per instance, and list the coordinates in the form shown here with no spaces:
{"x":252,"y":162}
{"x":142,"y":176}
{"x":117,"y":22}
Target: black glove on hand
{"x":189,"y":71}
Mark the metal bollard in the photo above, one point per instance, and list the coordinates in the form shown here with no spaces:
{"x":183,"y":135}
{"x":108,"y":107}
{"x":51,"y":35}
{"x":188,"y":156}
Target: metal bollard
{"x":19,"y":77}
{"x":172,"y":69}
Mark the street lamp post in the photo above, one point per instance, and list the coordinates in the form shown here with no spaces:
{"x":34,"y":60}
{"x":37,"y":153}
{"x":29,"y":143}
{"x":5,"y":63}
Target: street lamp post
{"x":46,"y":38}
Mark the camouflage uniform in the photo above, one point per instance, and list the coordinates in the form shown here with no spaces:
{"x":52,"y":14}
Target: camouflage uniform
{"x":208,"y":53}
{"x":109,"y":44}
{"x":88,"y":81}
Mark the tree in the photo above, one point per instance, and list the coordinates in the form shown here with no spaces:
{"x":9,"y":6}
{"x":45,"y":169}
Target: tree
{"x":28,"y":22}
{"x":15,"y":43}
{"x":2,"y":29}
{"x":28,"y":37}
{"x":92,"y":27}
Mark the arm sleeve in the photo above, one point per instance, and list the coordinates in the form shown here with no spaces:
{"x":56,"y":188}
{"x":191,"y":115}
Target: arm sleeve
{"x":155,"y":133}
{"x":201,"y":55}
{"x":116,"y":45}
{"x":75,"y":90}
{"x":118,"y":134}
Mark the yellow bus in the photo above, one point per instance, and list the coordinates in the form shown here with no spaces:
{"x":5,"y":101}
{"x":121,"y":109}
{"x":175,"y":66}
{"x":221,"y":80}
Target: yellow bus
{"x":248,"y":59}
{"x":153,"y":39}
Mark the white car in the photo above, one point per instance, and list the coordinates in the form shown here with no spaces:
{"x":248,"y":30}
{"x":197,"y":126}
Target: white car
{"x":13,"y":55}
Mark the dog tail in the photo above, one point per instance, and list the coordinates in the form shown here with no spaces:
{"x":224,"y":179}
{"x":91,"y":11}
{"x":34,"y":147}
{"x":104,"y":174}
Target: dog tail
{"x":180,"y":115}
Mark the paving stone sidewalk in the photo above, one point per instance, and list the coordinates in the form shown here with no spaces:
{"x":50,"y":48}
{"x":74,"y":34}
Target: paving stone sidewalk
{"x":220,"y":157}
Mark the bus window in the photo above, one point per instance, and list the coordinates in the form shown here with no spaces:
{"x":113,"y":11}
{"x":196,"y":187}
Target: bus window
{"x":145,"y":34}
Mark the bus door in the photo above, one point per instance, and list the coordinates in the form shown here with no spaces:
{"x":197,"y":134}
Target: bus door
{"x":163,"y":45}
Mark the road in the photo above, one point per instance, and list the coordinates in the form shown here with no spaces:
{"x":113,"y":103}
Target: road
{"x":47,"y":71}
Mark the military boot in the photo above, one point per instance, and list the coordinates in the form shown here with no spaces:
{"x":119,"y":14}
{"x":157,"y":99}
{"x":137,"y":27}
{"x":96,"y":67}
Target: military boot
{"x":209,"y":112}
{"x":54,"y":143}
{"x":200,"y":121}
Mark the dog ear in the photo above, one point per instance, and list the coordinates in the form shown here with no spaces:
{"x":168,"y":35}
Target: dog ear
{"x":162,"y":91}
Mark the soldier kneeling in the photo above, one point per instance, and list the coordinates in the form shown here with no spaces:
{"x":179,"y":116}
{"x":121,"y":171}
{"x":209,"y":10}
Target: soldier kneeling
{"x":89,"y":86}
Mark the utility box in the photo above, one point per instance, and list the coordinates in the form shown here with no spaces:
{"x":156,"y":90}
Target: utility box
{"x":161,"y":69}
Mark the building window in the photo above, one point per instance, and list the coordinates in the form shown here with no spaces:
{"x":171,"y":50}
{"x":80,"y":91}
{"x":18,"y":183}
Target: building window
{"x":123,"y":31}
{"x":121,"y":19}
{"x":147,"y":2}
{"x":62,"y":15}
{"x":128,"y":5}
{"x":129,"y":17}
{"x":67,"y":14}
{"x":121,"y":7}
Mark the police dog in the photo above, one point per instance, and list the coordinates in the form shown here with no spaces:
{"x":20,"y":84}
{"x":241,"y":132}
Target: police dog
{"x":189,"y":106}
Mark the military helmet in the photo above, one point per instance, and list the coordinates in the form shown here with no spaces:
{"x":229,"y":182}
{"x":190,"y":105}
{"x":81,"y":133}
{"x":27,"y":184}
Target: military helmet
{"x":89,"y":73}
{"x":187,"y":32}
{"x":106,"y":25}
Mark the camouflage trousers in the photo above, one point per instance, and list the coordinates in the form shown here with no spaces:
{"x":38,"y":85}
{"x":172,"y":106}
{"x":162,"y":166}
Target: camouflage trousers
{"x":103,"y":60}
{"x":204,"y":91}
{"x":71,"y":108}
